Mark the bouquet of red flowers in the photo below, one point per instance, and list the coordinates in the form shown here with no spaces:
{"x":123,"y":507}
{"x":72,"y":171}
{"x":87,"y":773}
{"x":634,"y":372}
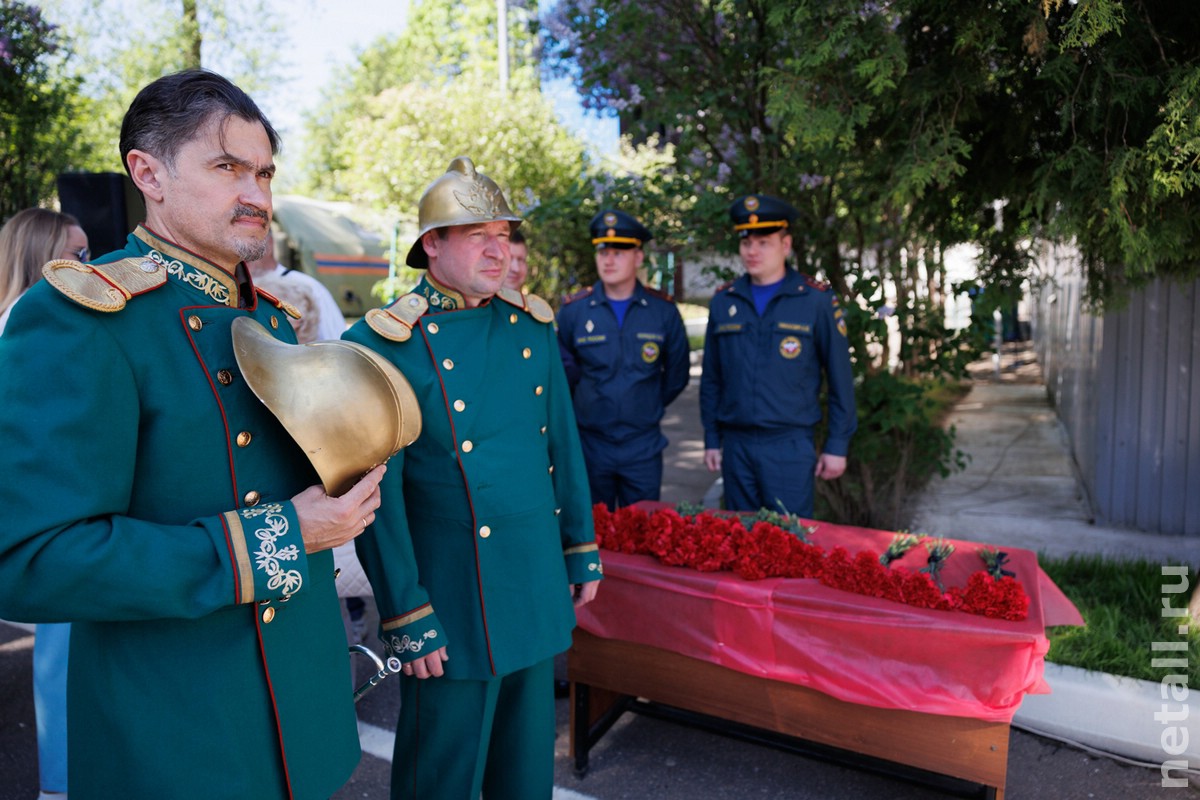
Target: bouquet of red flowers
{"x":754,"y":548}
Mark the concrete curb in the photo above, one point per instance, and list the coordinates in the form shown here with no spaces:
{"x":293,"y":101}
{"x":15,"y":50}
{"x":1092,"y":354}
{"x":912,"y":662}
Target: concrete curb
{"x":1111,"y":714}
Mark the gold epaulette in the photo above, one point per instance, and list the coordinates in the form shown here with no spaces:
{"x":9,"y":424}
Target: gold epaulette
{"x":582,"y":293}
{"x":397,"y":320}
{"x":659,"y":293}
{"x":535,"y":306}
{"x":104,"y":287}
{"x":282,"y":305}
{"x":820,"y":286}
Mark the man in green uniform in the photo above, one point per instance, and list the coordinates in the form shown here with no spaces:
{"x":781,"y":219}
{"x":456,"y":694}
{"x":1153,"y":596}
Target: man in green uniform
{"x":152,"y":500}
{"x":487,"y":533}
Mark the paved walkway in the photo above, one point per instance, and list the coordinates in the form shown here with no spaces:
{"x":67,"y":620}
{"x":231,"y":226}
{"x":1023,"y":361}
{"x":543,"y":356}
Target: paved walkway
{"x":1021,"y":487}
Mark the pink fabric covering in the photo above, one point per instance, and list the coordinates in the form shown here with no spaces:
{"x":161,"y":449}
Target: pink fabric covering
{"x":855,"y":648}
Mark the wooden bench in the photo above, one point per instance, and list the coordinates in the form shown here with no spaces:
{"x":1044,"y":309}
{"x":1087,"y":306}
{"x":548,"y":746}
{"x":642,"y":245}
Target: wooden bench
{"x":609,"y":677}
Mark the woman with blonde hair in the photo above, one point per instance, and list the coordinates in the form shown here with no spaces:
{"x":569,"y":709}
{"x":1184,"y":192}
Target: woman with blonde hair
{"x":27,"y":241}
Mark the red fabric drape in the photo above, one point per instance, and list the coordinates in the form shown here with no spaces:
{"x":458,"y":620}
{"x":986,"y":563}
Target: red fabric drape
{"x":855,"y":648}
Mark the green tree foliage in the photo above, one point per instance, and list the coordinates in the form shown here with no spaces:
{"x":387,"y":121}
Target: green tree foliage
{"x":122,"y":46}
{"x":642,"y":181}
{"x":38,"y":108}
{"x":392,"y":122}
{"x":1121,"y":84}
{"x":899,"y":129}
{"x":444,"y":43}
{"x":799,"y":99}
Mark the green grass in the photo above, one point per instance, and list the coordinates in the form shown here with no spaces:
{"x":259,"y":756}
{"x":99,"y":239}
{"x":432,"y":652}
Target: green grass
{"x":1122,"y":603}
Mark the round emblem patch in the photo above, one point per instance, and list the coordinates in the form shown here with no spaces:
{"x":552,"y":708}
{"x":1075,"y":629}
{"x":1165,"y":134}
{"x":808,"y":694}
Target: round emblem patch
{"x":610,"y":220}
{"x":751,"y":203}
{"x":650,"y":352}
{"x":789,"y":347}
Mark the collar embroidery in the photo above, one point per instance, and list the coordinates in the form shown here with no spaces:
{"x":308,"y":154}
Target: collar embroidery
{"x":208,"y":278}
{"x":439,"y":297}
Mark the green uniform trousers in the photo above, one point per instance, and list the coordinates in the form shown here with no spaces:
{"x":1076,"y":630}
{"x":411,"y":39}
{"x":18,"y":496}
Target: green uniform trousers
{"x":457,"y":738}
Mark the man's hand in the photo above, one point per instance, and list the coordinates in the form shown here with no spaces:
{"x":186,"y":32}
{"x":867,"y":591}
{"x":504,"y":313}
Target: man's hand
{"x":583,"y":593}
{"x":429,"y":666}
{"x":712,"y":460}
{"x":326,"y":522}
{"x":830,"y":467}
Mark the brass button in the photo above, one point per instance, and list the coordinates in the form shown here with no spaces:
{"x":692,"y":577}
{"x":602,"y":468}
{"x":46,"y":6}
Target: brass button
{"x":543,"y":430}
{"x":448,"y":364}
{"x":551,"y":469}
{"x":557,"y":511}
{"x":275,"y":322}
{"x":244,"y":438}
{"x":252,"y":498}
{"x":485,"y":532}
{"x":268,"y":614}
{"x":512,"y":318}
{"x":459,"y":405}
{"x":526,"y":352}
{"x":538,"y":390}
{"x":467,"y":446}
{"x":432,"y":327}
{"x":224,"y":377}
{"x":194,"y":323}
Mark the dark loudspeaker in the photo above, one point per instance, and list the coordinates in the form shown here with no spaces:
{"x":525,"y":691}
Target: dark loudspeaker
{"x":106,"y":204}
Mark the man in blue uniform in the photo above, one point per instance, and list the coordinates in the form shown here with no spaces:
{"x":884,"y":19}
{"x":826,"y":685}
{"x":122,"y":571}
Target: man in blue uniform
{"x":488,"y":531}
{"x":772,"y":335}
{"x":626,"y":355}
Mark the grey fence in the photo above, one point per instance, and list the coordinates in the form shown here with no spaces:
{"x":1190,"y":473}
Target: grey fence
{"x":1127,"y":387}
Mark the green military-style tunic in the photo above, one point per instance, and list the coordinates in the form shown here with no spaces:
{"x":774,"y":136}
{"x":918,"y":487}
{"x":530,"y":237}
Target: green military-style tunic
{"x":146,"y":499}
{"x":486,"y":518}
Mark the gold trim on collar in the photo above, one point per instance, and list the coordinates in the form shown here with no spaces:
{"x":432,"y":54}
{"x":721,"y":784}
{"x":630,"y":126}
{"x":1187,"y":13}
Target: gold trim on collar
{"x":456,"y":298}
{"x":190,"y":268}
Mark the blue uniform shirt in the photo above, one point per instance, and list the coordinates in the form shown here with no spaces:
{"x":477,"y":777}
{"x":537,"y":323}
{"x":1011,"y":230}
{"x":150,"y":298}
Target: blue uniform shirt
{"x":763,"y":372}
{"x":623,"y":376}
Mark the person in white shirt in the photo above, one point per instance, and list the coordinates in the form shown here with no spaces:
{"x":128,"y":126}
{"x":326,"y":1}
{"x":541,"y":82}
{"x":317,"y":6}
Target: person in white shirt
{"x":320,"y":319}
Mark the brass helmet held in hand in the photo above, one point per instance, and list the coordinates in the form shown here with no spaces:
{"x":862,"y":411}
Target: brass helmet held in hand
{"x":460,"y":197}
{"x":348,"y":408}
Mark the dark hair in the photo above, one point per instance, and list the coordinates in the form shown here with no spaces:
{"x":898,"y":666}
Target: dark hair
{"x":171,"y":111}
{"x":516,"y":237}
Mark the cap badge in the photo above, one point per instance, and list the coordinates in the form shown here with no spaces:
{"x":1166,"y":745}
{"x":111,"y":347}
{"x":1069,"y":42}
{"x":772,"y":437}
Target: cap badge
{"x":751,"y":203}
{"x":610,"y":221}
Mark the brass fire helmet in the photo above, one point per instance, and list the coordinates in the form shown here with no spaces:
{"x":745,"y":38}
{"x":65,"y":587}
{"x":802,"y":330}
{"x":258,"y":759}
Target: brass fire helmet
{"x":460,"y":197}
{"x":348,"y":409}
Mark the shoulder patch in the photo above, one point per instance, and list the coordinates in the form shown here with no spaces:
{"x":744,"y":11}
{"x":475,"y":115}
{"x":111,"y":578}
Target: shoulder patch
{"x":104,"y":287}
{"x":724,"y":286}
{"x":282,"y":305}
{"x":535,"y":306}
{"x":582,"y":293}
{"x":396,"y":322}
{"x":820,"y":286}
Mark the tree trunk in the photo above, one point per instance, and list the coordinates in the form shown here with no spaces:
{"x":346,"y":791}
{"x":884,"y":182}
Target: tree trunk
{"x":191,"y":34}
